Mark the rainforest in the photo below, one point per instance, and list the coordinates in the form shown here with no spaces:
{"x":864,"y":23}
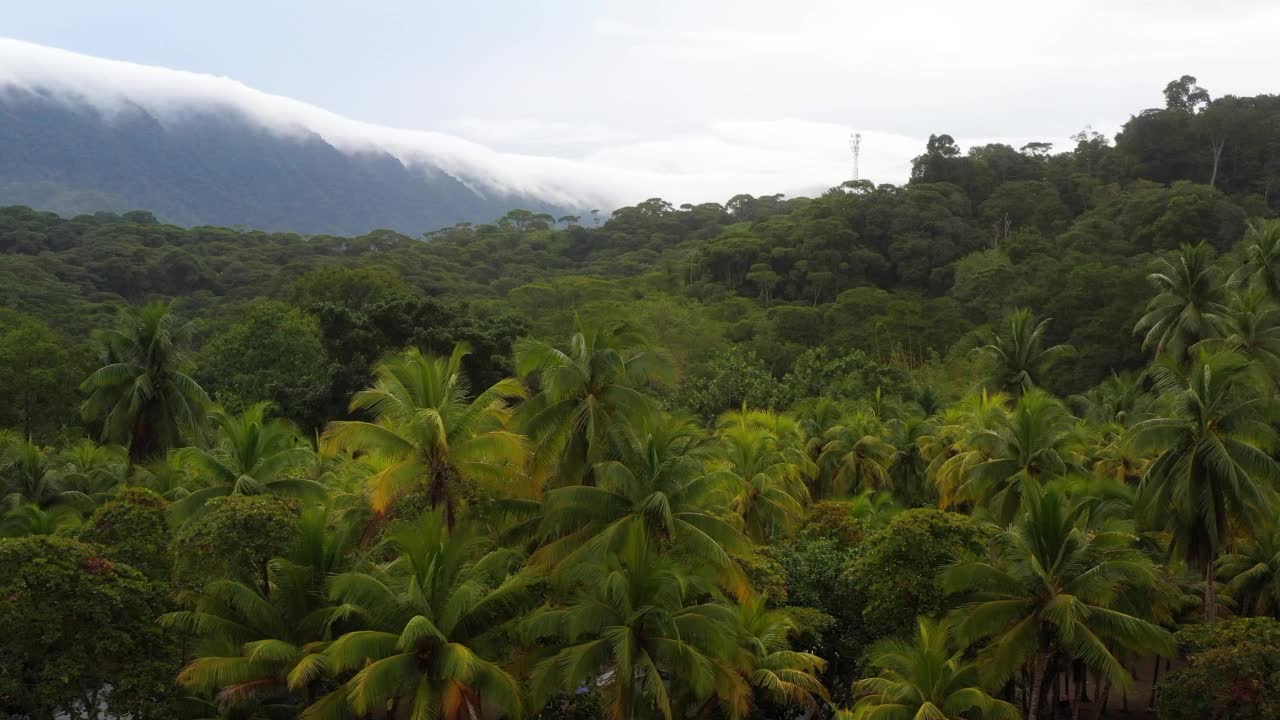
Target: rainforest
{"x":1000,"y":442}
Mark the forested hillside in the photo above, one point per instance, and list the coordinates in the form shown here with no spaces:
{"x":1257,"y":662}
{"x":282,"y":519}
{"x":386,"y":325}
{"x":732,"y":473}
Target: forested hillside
{"x":991,"y":444}
{"x":216,"y":165}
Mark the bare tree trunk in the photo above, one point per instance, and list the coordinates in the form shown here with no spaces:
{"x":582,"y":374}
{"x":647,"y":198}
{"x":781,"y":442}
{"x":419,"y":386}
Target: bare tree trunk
{"x":1217,"y":155}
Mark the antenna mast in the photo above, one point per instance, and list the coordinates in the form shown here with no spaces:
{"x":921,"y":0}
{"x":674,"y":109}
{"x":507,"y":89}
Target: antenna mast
{"x":855,"y":145}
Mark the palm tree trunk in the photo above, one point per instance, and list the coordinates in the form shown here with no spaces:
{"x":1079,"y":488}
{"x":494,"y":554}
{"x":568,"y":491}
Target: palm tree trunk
{"x":1155,"y":678}
{"x":1210,"y":592}
{"x":138,"y":441}
{"x":1104,"y":697}
{"x":438,"y":491}
{"x":1038,"y":669}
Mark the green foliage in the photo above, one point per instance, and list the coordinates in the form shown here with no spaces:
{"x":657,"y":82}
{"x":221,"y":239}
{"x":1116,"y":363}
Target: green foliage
{"x":269,"y":352}
{"x":834,"y":520}
{"x":80,"y":629}
{"x":541,"y":513}
{"x":893,"y":577}
{"x":133,"y":528}
{"x":1193,"y":639}
{"x":1232,"y":671}
{"x":38,"y":374}
{"x":236,"y":537}
{"x":818,"y":372}
{"x":733,"y":378}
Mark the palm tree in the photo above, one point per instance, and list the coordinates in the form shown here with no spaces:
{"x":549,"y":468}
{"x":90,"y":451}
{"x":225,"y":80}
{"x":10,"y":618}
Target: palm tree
{"x":1019,"y":360}
{"x":253,"y":455}
{"x":1049,"y":596}
{"x":30,"y":519}
{"x":1118,"y":457}
{"x":1214,"y":459}
{"x":252,"y":647}
{"x":1188,"y":304}
{"x":586,"y":392}
{"x":659,"y":494}
{"x":1252,"y":571}
{"x":771,"y":668}
{"x":769,"y":467}
{"x":947,"y":449}
{"x":431,"y":623}
{"x":142,"y":395}
{"x":433,"y":433}
{"x":1120,"y":399}
{"x":816,"y":417}
{"x":926,"y":678}
{"x":94,"y":470}
{"x":168,"y":476}
{"x":1251,"y":327}
{"x":854,"y":457}
{"x":1034,"y":442}
{"x":636,"y":633}
{"x":908,"y":474}
{"x":29,"y":476}
{"x":1262,"y":269}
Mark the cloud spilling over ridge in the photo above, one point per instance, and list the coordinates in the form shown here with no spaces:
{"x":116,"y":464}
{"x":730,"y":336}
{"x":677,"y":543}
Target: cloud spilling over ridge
{"x":723,"y":158}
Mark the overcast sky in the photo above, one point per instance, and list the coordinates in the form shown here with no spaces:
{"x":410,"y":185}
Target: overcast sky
{"x":697,"y":85}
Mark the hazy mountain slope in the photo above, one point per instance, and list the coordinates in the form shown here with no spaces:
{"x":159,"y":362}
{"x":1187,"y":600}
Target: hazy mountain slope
{"x":216,"y":166}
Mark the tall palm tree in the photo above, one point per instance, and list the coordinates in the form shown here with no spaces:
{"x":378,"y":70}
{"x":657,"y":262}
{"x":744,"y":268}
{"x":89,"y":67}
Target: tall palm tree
{"x":253,"y":454}
{"x":1049,"y":596}
{"x":854,"y":457}
{"x":432,"y":431}
{"x":1262,"y":247}
{"x":1252,"y":570}
{"x":1034,"y":442}
{"x":637,"y":632}
{"x":430,"y":628}
{"x":586,"y":392}
{"x":1214,"y":459}
{"x":1188,"y":305}
{"x":926,"y":678}
{"x":1017,"y":353}
{"x":769,"y":467}
{"x":142,"y":395}
{"x":659,"y":494}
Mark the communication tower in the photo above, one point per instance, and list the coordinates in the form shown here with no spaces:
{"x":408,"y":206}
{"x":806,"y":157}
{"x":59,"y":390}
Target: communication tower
{"x":855,"y":145}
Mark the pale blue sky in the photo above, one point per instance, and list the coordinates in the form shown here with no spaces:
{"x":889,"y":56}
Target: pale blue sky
{"x":669,"y":85}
